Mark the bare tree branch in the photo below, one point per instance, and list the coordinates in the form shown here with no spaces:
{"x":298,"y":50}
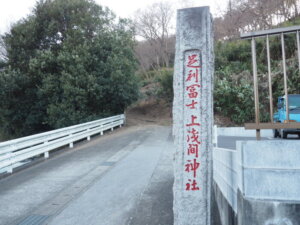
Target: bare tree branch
{"x":3,"y":54}
{"x":154,"y":25}
{"x":248,"y":15}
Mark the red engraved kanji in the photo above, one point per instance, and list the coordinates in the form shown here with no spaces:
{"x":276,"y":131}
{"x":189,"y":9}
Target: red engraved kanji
{"x":192,"y":105}
{"x":192,"y":166}
{"x":193,"y":149}
{"x":192,"y":90}
{"x":191,"y":186}
{"x":194,"y":137}
{"x":192,"y":59}
{"x":193,"y":123}
{"x":193,"y":74}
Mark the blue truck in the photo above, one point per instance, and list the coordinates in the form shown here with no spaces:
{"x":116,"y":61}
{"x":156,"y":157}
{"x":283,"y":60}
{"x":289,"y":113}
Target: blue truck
{"x":294,"y":115}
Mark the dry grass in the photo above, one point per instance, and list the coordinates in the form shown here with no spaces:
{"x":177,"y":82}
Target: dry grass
{"x":150,"y":111}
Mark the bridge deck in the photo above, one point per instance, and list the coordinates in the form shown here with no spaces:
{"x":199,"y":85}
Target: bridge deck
{"x":125,"y":177}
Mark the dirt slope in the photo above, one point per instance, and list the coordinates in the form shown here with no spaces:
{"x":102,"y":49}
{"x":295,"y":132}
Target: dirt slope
{"x":150,"y":111}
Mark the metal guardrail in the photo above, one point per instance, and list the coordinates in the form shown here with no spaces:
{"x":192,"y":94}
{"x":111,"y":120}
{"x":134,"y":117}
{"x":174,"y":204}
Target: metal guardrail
{"x":15,"y":151}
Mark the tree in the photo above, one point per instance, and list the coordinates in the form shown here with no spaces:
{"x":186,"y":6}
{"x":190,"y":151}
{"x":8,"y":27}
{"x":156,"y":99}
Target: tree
{"x":148,"y":57}
{"x":154,"y":25}
{"x":70,"y":61}
{"x":250,"y":15}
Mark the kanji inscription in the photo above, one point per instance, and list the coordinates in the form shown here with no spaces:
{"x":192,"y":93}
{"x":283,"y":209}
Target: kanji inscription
{"x":192,"y":153}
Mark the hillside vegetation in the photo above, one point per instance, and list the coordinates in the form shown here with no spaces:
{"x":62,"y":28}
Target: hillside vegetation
{"x":233,"y":90}
{"x":68,"y":62}
{"x":72,"y":61}
{"x":233,"y":77}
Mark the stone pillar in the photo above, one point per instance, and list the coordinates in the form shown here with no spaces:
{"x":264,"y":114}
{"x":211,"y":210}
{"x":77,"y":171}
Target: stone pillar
{"x":193,"y":117}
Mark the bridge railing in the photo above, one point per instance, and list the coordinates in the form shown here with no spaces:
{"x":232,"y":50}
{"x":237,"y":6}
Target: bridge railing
{"x":15,"y":151}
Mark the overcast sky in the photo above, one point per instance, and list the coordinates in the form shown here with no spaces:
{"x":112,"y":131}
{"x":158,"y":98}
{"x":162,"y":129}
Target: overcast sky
{"x":13,"y":10}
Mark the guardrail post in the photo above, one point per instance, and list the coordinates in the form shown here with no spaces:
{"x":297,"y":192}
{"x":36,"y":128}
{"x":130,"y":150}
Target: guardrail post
{"x":124,"y":119}
{"x":10,"y":167}
{"x":71,"y":144}
{"x":101,"y":133}
{"x":46,"y":154}
{"x":88,"y":137}
{"x":112,"y":129}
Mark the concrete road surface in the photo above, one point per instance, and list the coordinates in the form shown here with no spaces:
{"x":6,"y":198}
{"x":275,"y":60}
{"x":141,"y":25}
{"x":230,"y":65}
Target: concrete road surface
{"x":124,"y":177}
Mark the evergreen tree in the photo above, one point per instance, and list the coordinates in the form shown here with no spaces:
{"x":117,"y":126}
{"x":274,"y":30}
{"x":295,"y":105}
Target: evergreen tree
{"x":69,"y":62}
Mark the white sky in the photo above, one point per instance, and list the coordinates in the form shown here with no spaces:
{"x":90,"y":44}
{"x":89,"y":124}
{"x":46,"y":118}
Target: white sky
{"x":13,"y":10}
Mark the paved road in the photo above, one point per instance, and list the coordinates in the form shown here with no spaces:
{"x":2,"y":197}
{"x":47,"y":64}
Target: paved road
{"x":124,"y":177}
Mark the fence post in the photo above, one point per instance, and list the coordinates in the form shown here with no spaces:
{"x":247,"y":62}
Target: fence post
{"x":193,"y":117}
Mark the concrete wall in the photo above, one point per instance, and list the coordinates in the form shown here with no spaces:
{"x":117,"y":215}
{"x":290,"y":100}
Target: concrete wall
{"x":241,"y":132}
{"x":225,"y":174}
{"x":269,"y":169}
{"x":223,"y":213}
{"x":225,"y":186}
{"x":260,"y":182}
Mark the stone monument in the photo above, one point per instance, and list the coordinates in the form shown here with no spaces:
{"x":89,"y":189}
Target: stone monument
{"x":193,"y":117}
